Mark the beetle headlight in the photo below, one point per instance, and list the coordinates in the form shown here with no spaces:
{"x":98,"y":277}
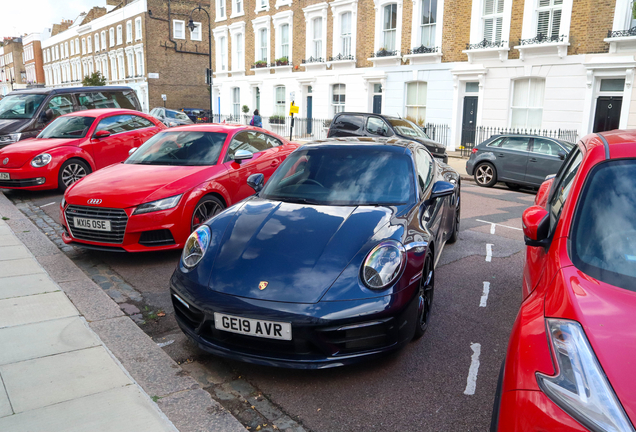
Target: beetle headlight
{"x":195,"y":246}
{"x":41,"y":160}
{"x":581,"y":388}
{"x":162,"y":204}
{"x":384,"y":264}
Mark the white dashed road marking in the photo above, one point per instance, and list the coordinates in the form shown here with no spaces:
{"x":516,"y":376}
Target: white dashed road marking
{"x":492,"y":229}
{"x":471,"y":381}
{"x":46,"y":205}
{"x":484,"y":296}
{"x":489,"y":252}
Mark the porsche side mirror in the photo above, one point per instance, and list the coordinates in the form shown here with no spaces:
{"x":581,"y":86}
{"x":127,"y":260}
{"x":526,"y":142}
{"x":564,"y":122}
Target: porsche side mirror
{"x":256,"y":181}
{"x":101,"y":134}
{"x":441,"y":189}
{"x":536,"y":226}
{"x":561,"y":155}
{"x":242,"y":155}
{"x":131,"y":151}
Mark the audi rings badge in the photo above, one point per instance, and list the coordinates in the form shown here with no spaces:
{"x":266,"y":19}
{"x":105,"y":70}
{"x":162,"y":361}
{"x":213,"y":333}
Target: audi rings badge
{"x":94,"y":201}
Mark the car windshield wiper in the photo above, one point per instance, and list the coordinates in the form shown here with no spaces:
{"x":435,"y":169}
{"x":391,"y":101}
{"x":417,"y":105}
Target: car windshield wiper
{"x":296,"y":200}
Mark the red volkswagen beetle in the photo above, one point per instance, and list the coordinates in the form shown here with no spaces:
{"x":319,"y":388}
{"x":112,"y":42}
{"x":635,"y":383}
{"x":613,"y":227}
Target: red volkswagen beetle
{"x":169,"y":186}
{"x":571,"y":356}
{"x":73,"y":146}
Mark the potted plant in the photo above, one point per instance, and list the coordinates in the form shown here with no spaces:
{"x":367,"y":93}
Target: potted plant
{"x":246,"y":109}
{"x":277,"y":119}
{"x":283,"y":61}
{"x":260,"y":63}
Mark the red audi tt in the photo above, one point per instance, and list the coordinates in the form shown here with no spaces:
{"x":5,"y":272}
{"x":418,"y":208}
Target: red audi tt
{"x":168,"y":187}
{"x":73,"y":146}
{"x":570,"y":361}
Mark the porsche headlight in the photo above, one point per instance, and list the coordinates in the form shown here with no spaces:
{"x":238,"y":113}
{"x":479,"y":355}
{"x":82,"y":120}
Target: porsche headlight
{"x":581,"y":388}
{"x":195,"y":246}
{"x":162,"y":204}
{"x":41,"y":160}
{"x":384,"y":264}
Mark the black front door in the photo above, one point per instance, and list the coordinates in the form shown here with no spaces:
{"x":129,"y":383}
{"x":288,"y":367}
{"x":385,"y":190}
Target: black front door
{"x":608,"y":113}
{"x":309,"y":114}
{"x":377,"y":104}
{"x":469,"y":120}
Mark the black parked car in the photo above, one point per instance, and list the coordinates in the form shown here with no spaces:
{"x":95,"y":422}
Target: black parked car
{"x":376,"y":125}
{"x":517,"y":160}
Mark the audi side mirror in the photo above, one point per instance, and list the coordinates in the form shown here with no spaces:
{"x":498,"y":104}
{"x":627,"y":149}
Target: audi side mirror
{"x":101,"y":134}
{"x":535,"y":222}
{"x":242,"y":155}
{"x":256,"y":181}
{"x":131,"y":151}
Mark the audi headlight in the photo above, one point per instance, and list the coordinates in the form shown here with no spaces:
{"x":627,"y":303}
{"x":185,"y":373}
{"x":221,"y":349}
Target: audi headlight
{"x":384,"y":264}
{"x":581,"y":388}
{"x":41,"y":160}
{"x":195,"y":246}
{"x":162,"y":204}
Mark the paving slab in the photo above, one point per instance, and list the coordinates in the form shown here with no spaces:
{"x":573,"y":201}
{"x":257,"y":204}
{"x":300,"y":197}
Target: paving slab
{"x":43,"y":339}
{"x":46,"y":381}
{"x":18,"y":267}
{"x":37,"y":308}
{"x":184,"y":409}
{"x":13,"y":252}
{"x":148,"y":364}
{"x":26,"y":285}
{"x":5,"y":405}
{"x":91,"y":300}
{"x":30,"y":235}
{"x":9,"y":240}
{"x":124,"y":409}
{"x":61,"y":268}
{"x":5,"y":230}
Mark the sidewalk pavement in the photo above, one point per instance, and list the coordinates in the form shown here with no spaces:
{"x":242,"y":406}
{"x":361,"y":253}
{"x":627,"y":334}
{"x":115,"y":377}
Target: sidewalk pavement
{"x":459,"y":164}
{"x":71,"y":361}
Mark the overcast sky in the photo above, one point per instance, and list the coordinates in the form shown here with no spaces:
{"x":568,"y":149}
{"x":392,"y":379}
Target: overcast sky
{"x":31,"y":16}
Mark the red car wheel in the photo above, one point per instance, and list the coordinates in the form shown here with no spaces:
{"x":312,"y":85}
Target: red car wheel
{"x":207,"y":207}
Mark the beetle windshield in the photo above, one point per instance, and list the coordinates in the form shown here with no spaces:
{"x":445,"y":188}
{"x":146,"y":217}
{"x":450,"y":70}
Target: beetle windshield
{"x":180,"y":148}
{"x":68,"y":127}
{"x":20,"y":106}
{"x":344,"y":175}
{"x":604,"y":231}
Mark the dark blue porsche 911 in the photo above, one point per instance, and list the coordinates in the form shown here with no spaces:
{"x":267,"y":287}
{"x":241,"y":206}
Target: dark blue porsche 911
{"x":331,"y":262}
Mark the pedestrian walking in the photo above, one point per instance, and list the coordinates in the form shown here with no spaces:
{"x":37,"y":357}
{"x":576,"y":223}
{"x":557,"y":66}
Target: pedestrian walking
{"x":256,"y":120}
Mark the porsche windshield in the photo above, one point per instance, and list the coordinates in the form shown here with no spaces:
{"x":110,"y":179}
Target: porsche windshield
{"x":344,"y":175}
{"x":68,"y":127}
{"x":20,"y":106}
{"x":180,"y":148}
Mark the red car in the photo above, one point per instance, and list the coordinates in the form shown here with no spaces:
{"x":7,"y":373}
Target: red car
{"x":73,"y":146}
{"x":173,"y":183}
{"x":571,"y":357}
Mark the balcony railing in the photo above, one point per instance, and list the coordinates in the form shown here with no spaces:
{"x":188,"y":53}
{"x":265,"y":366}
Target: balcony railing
{"x":621,"y":33}
{"x":313,"y":60}
{"x":541,"y":39}
{"x":261,"y":65}
{"x":423,"y":50}
{"x":486,"y":44}
{"x":384,"y":53}
{"x":341,"y":57}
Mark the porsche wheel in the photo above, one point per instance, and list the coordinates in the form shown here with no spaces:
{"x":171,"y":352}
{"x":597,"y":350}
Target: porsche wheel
{"x":71,"y":171}
{"x":206,"y":208}
{"x":425,"y":298}
{"x":456,"y":220}
{"x":486,"y":175}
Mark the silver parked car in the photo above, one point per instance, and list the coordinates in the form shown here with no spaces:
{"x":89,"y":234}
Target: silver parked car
{"x":517,"y":160}
{"x":170,"y":117}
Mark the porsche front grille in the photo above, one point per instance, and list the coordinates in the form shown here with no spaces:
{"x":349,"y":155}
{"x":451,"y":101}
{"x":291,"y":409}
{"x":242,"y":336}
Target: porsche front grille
{"x":117,"y":217}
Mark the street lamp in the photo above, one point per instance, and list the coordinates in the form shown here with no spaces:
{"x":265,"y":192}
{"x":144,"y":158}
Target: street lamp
{"x":192,"y":26}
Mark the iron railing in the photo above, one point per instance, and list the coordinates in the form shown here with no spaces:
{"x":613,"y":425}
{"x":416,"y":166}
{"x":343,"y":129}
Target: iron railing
{"x":384,"y":53}
{"x":541,"y":39}
{"x":621,"y":33}
{"x":304,"y":128}
{"x":476,"y":135}
{"x":438,"y":132}
{"x":486,"y":44}
{"x":313,"y":60}
{"x":341,"y":57}
{"x":423,"y":50}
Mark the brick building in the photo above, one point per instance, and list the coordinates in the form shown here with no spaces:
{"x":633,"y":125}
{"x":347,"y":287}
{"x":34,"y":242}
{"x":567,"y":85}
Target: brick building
{"x":32,"y":57}
{"x":132,"y":45}
{"x":12,"y":72}
{"x":538,"y":64}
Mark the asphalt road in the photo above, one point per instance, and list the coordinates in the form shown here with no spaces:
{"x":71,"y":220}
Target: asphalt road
{"x":443,"y":382}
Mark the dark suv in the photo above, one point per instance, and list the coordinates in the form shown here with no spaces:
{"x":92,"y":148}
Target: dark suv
{"x":375,"y":125}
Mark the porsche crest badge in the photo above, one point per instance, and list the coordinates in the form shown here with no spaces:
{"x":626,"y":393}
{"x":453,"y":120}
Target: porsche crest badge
{"x":263,"y":285}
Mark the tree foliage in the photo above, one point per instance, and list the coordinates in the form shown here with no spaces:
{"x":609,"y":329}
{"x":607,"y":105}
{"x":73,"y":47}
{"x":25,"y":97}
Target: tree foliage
{"x":96,"y":79}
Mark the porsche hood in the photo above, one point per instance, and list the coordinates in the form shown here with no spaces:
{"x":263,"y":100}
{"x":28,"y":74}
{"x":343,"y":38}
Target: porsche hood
{"x":290,"y":252}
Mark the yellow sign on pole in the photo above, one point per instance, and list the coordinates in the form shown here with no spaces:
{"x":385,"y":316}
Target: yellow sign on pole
{"x":293,"y":109}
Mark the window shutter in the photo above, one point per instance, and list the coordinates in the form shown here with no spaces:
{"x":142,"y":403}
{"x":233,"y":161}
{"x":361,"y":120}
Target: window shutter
{"x":488,"y":29}
{"x":544,"y":3}
{"x":500,"y":6}
{"x":543,"y":24}
{"x":498,"y":29}
{"x":556,"y":22}
{"x":489,"y":7}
